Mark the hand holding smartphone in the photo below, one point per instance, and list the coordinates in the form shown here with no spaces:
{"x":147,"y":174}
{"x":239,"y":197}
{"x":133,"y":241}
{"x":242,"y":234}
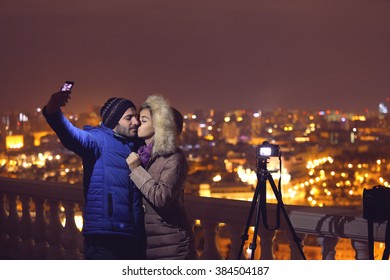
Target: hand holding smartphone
{"x":59,"y":99}
{"x":67,"y":86}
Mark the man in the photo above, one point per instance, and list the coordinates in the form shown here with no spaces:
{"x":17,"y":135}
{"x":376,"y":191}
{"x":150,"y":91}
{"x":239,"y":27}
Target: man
{"x":113,"y":225}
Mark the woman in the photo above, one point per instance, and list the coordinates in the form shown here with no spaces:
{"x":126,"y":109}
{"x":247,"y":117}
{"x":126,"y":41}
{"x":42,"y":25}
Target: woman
{"x":159,"y":170}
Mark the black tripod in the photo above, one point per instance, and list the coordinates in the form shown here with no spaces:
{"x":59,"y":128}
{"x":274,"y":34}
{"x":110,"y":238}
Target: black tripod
{"x":259,"y":200}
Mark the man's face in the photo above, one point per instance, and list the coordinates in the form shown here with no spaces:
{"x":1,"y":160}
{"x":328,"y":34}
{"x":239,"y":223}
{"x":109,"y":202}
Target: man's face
{"x":128,"y":124}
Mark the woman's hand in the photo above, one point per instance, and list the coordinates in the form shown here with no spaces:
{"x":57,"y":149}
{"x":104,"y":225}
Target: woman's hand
{"x":133,"y":161}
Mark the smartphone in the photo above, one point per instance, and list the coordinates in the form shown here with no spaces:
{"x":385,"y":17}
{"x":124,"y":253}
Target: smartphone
{"x":68,"y":85}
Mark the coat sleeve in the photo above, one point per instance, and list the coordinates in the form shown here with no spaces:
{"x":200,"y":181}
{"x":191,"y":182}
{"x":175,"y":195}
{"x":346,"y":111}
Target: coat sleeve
{"x":73,"y":138}
{"x":162,"y":188}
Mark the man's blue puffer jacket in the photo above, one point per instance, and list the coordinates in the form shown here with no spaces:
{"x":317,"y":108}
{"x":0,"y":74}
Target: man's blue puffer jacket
{"x":113,"y":205}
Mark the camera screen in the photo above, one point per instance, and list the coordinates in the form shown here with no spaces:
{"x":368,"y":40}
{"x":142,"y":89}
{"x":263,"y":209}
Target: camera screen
{"x":265,"y":151}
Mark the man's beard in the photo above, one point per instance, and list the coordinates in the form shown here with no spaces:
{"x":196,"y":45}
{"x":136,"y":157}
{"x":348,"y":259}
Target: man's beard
{"x":127,"y":132}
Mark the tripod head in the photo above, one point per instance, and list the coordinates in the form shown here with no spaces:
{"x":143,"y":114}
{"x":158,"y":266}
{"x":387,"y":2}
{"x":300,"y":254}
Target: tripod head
{"x":262,"y":164}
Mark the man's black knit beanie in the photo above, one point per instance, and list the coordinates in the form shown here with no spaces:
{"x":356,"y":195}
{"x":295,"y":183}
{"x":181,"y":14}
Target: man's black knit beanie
{"x":113,"y":110}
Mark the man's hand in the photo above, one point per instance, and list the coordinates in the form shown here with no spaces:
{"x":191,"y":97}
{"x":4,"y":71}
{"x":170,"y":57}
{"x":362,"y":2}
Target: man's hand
{"x":57,"y":100}
{"x":133,"y":161}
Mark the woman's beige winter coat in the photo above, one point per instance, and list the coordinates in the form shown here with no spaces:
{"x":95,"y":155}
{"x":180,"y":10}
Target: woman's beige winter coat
{"x":168,"y":231}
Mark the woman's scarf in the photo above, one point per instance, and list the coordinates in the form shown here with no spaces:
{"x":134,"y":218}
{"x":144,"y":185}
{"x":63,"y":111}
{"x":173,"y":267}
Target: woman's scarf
{"x":145,"y":153}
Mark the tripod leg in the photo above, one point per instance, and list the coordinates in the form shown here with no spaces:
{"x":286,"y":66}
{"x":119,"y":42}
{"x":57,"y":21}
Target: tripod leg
{"x":370,"y":230}
{"x":245,"y":236}
{"x":257,"y":221}
{"x":281,"y":204}
{"x":386,"y":252}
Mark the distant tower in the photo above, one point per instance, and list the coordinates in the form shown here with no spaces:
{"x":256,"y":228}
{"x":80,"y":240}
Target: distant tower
{"x":383,"y":108}
{"x":383,"y":113}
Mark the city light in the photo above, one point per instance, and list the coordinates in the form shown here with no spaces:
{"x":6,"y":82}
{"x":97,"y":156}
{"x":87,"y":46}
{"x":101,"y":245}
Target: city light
{"x":218,"y":145}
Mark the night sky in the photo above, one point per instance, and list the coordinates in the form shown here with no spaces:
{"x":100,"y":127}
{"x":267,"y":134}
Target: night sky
{"x":200,"y":54}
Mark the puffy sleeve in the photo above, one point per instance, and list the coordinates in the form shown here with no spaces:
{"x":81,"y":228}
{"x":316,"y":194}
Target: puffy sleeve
{"x":163,"y":183}
{"x":73,"y":138}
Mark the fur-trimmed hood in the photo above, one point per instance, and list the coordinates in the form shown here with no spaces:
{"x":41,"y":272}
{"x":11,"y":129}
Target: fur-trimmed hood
{"x":165,"y":138}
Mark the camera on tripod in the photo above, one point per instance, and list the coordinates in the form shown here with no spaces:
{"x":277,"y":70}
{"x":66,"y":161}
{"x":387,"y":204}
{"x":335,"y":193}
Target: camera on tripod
{"x":268,"y":150}
{"x":259,"y":201}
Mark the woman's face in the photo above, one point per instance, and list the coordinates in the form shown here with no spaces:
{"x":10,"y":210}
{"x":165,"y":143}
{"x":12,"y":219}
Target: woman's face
{"x":146,"y":129}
